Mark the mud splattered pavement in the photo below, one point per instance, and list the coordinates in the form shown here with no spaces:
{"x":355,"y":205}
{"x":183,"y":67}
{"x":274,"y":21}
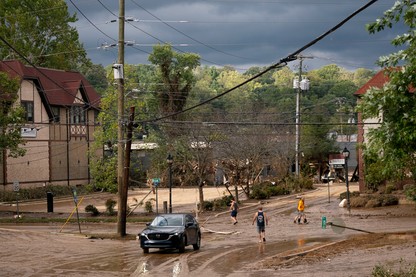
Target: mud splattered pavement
{"x":227,"y":250}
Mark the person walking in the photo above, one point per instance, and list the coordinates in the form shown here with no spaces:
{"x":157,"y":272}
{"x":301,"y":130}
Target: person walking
{"x":261,"y":218}
{"x":234,"y":211}
{"x":301,"y":211}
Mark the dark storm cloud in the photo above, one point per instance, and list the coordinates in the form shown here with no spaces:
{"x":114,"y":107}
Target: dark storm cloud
{"x":237,"y":33}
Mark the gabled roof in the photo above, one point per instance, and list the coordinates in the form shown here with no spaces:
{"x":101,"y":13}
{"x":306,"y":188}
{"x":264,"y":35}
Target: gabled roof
{"x":59,"y":87}
{"x":377,"y":81}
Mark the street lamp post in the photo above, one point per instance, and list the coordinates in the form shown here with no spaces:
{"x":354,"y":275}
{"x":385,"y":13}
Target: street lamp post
{"x":169,"y":160}
{"x":346,"y":155}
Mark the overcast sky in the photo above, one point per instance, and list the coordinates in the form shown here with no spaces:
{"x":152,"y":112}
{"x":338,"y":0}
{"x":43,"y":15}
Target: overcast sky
{"x":240,"y":33}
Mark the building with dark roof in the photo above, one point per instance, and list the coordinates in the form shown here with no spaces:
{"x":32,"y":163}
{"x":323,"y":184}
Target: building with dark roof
{"x":61,"y":111}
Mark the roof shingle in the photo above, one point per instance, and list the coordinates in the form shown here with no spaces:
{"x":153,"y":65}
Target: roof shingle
{"x":60,"y":87}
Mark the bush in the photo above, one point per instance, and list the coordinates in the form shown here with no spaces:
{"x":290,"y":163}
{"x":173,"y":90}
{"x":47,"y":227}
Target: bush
{"x":389,"y":200}
{"x":40,"y":192}
{"x":410,"y":191}
{"x":92,"y":209}
{"x":372,"y":203}
{"x":110,"y":204}
{"x":406,"y":269}
{"x":206,"y":206}
{"x":266,"y":190}
{"x":373,"y":175}
{"x":217,"y":204}
{"x":148,"y":206}
{"x":390,"y":188}
{"x":298,"y":184}
{"x":358,"y":201}
{"x":260,"y":191}
{"x":352,"y":194}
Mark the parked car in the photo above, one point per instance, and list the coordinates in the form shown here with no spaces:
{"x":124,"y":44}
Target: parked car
{"x":174,"y":231}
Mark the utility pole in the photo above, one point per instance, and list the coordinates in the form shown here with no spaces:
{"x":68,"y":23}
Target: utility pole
{"x":126,"y":176}
{"x":299,"y":86}
{"x":122,"y":198}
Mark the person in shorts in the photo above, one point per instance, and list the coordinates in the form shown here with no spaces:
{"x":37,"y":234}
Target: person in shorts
{"x":301,"y":211}
{"x":234,"y":211}
{"x":262,"y":220}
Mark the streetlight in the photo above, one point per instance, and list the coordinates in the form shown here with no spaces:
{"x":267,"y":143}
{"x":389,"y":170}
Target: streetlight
{"x":346,"y":155}
{"x":169,"y":160}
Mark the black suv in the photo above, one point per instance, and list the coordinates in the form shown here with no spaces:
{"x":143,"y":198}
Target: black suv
{"x":174,"y":231}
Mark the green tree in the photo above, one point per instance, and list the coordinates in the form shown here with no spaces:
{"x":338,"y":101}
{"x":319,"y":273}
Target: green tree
{"x":137,"y":94}
{"x":361,"y":76}
{"x":283,"y":78}
{"x":96,"y":76}
{"x":40,"y":30}
{"x":316,"y":144}
{"x":394,"y":142}
{"x":11,"y":117}
{"x":174,"y":77}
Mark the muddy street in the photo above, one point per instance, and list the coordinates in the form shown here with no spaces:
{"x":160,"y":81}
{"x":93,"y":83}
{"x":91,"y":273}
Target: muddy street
{"x":226,"y":250}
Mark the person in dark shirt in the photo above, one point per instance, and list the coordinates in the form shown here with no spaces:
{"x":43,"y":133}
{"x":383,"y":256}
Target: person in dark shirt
{"x":261,"y":218}
{"x":234,"y":211}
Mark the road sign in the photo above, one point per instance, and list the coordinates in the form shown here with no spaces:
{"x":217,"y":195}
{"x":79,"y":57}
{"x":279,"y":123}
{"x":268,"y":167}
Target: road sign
{"x":16,"y":186}
{"x":156,"y":181}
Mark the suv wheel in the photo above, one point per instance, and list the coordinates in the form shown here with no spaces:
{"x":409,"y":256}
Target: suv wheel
{"x":197,"y":245}
{"x":182,"y":244}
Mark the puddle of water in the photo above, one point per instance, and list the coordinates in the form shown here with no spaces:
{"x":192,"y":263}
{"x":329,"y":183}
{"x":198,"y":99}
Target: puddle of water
{"x":236,"y":260}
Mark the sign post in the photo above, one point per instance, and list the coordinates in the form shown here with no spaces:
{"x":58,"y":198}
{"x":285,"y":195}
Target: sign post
{"x":16,"y":188}
{"x":156,"y":182}
{"x":74,"y":192}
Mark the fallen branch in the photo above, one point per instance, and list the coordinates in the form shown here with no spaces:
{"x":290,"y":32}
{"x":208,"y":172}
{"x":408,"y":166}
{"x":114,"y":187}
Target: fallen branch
{"x":220,"y":232}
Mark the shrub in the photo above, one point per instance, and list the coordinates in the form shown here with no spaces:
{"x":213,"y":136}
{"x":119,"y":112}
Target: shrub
{"x":352,"y":194}
{"x":265,"y":190}
{"x":148,"y":206}
{"x":260,"y":191}
{"x":373,"y":174}
{"x":278,"y":190}
{"x":358,"y":201}
{"x":92,"y":209}
{"x":217,"y":203}
{"x":206,"y":205}
{"x":298,"y":184}
{"x":389,"y":200}
{"x":410,"y":191}
{"x":110,"y":204}
{"x":390,"y":188}
{"x":406,"y":269}
{"x":372,"y":203}
{"x":40,"y":192}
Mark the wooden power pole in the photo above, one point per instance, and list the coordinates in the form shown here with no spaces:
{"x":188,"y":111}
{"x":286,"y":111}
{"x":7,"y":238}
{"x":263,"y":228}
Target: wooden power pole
{"x":122,"y":198}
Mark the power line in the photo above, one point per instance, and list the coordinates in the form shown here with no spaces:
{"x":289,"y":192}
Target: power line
{"x":193,"y":39}
{"x":283,"y":62}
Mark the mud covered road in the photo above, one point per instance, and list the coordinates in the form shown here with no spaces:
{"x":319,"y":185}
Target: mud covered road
{"x":227,"y":249}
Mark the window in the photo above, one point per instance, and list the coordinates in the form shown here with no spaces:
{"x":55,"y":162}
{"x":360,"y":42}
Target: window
{"x":56,"y":114}
{"x":28,"y":106}
{"x":77,"y":115}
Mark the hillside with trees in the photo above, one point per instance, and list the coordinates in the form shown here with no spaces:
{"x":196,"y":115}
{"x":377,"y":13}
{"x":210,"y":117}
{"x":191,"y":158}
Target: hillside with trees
{"x":246,"y":134}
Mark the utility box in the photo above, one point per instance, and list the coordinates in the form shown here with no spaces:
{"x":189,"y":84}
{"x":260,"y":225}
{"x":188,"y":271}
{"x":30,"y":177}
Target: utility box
{"x":118,"y":71}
